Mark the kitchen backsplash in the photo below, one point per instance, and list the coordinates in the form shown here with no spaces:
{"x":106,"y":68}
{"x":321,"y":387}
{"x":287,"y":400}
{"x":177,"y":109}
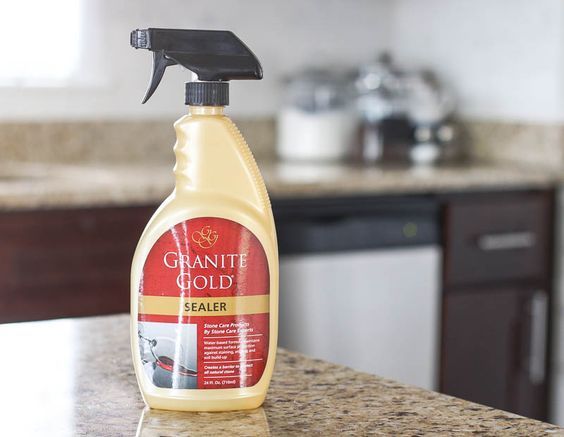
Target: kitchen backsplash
{"x":135,"y":141}
{"x":113,"y":141}
{"x":517,"y":143}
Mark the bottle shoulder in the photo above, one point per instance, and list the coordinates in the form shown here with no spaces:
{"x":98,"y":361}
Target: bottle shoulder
{"x":181,"y":206}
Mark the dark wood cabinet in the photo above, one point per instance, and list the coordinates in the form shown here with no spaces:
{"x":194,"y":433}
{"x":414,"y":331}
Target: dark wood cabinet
{"x":497,"y":237}
{"x":67,"y":263}
{"x":494,"y":348}
{"x":496,"y":275}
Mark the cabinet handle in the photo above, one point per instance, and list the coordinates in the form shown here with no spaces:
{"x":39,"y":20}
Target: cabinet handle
{"x":537,"y":351}
{"x":506,"y":241}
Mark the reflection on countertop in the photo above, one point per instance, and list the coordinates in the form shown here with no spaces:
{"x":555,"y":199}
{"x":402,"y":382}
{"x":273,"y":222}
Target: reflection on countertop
{"x":75,"y":377}
{"x":48,"y":185}
{"x":179,"y":423}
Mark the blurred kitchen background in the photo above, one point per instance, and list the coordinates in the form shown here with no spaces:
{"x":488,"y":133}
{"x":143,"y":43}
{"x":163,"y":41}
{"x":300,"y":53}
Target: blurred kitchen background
{"x":414,"y":153}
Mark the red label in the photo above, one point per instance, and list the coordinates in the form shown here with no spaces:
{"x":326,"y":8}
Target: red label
{"x":204,"y":307}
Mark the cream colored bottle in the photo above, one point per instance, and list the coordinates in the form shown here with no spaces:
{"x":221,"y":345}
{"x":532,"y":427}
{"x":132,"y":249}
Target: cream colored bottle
{"x":218,"y":182}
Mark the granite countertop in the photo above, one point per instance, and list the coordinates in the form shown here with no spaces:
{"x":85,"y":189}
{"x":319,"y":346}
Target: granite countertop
{"x":74,"y":377}
{"x":30,"y":186}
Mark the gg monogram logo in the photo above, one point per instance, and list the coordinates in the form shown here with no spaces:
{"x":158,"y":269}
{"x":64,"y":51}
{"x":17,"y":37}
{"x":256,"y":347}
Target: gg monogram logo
{"x":205,"y":238}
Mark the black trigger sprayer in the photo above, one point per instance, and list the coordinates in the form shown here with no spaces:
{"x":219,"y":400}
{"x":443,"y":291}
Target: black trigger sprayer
{"x":215,"y":56}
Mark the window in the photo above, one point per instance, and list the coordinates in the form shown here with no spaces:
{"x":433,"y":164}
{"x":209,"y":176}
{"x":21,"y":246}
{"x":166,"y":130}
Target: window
{"x":40,"y":42}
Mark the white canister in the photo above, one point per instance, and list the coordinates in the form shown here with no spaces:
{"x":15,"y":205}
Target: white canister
{"x":316,"y":136}
{"x":318,"y":121}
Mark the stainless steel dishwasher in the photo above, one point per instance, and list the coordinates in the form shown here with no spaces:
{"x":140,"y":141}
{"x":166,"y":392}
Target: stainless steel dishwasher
{"x":360,"y":284}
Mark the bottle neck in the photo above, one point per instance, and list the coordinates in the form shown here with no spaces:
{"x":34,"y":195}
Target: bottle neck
{"x":197,"y":141}
{"x":206,"y":110}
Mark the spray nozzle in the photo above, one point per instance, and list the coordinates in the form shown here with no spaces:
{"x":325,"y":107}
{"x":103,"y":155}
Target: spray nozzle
{"x":215,"y":56}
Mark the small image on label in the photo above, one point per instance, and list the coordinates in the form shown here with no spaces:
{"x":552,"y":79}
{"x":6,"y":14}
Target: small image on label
{"x":169,"y":354}
{"x":204,"y":307}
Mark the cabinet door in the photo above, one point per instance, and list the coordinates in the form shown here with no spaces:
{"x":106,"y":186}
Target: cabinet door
{"x":494,"y":348}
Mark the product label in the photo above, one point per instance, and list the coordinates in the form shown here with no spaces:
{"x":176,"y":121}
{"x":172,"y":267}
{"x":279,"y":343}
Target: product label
{"x":204,"y":307}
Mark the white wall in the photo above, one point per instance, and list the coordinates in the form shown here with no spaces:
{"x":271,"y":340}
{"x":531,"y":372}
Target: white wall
{"x":502,"y":57}
{"x":285,"y":36}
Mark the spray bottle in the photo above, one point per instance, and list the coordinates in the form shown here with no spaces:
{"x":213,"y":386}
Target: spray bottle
{"x":204,"y":279}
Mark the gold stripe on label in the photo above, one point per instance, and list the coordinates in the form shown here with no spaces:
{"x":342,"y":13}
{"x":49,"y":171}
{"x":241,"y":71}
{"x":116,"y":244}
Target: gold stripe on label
{"x":204,"y":306}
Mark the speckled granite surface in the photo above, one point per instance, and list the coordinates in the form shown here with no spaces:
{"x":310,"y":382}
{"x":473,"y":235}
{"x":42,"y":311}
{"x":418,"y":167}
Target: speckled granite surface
{"x":516,"y":142}
{"x":75,"y":378}
{"x":122,"y":141}
{"x":125,"y":163}
{"x":91,"y":163}
{"x":28,"y":185}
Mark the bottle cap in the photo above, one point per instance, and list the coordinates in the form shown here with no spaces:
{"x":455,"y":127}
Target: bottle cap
{"x":207,"y":93}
